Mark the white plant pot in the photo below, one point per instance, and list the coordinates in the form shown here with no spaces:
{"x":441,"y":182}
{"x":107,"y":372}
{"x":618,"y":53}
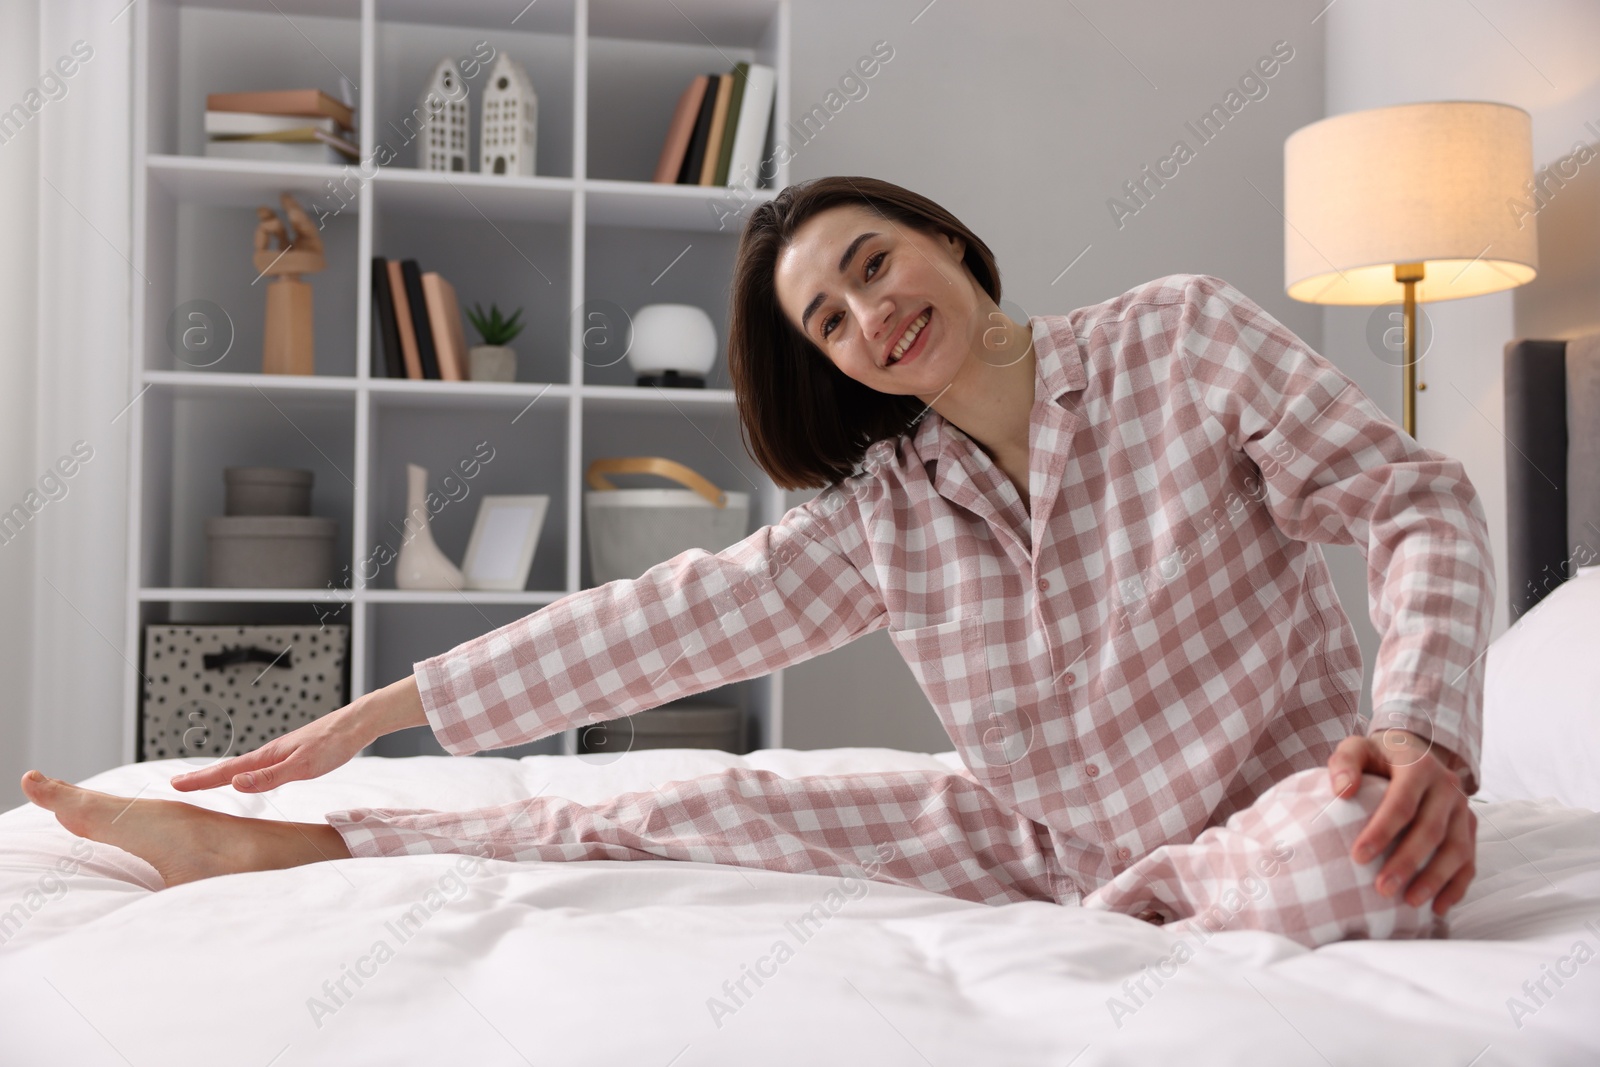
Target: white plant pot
{"x":671,"y":341}
{"x":492,"y":363}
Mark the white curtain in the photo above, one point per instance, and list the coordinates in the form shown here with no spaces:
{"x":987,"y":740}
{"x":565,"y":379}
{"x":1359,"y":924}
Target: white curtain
{"x":66,"y":282}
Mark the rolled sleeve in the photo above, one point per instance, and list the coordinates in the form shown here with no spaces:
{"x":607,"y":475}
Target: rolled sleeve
{"x":1336,"y":470}
{"x":786,"y":593}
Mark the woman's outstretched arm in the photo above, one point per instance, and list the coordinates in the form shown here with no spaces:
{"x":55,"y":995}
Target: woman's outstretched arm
{"x":786,"y":593}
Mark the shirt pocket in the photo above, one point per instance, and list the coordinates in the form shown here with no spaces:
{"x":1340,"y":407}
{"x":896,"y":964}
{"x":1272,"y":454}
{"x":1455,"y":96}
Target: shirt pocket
{"x":951,"y":662}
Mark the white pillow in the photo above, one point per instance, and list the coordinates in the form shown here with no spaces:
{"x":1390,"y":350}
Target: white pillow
{"x":1541,"y":701}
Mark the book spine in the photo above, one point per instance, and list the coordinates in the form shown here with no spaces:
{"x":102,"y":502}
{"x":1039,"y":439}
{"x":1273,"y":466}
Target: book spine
{"x":681,"y":129}
{"x":392,"y":364}
{"x":719,"y":119}
{"x":402,"y":322}
{"x":692,"y":160}
{"x":310,"y":102}
{"x":755,"y":119}
{"x":419,"y":319}
{"x":433,"y":291}
{"x":741,"y":77}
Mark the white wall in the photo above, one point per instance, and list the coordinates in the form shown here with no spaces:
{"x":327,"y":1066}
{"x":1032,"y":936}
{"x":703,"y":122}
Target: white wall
{"x":64,"y":295}
{"x":19,"y":165}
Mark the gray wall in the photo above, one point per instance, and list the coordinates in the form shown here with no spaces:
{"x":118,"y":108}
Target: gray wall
{"x":1024,"y":119}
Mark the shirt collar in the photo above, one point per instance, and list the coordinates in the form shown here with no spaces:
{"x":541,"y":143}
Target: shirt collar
{"x":1058,"y":362}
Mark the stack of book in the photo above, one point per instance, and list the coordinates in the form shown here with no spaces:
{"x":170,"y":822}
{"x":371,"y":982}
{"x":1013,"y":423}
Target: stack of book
{"x":719,"y":129}
{"x":418,"y":322}
{"x":289,"y":126}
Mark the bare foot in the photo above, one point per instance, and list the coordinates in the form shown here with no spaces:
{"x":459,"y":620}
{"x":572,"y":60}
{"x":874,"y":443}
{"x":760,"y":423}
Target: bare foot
{"x":184,"y":843}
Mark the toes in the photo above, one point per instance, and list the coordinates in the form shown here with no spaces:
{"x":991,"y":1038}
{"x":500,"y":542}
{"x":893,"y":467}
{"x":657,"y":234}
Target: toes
{"x":39,"y":789}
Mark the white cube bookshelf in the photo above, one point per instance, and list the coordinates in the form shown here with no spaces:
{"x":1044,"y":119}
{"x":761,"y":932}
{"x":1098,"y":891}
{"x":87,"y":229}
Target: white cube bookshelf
{"x":589,"y":232}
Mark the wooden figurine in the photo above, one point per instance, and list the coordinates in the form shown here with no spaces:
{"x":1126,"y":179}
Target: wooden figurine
{"x":285,"y":254}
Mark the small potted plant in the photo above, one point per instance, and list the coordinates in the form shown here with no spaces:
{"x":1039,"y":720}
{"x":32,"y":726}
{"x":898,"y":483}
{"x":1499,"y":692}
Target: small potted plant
{"x":492,"y":361}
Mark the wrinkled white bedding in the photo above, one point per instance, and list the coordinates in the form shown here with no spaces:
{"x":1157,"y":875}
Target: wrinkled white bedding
{"x":620,"y":963}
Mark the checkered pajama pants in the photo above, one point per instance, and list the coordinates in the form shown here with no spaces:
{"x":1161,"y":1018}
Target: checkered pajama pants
{"x":1281,"y":865}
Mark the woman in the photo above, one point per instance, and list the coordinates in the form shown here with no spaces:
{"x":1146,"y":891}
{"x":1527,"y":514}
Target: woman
{"x":1090,"y":537}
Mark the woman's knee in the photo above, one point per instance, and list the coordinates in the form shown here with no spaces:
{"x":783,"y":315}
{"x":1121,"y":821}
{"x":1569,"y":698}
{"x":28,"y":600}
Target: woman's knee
{"x":1320,"y":829}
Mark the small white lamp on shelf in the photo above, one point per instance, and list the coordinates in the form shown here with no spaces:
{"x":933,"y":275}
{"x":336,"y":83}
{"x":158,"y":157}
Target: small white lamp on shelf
{"x":510,"y":122}
{"x":443,"y":106}
{"x":1408,"y":203}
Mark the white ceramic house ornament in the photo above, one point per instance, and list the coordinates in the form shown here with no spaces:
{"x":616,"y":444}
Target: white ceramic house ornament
{"x":510,"y":120}
{"x":443,"y":145}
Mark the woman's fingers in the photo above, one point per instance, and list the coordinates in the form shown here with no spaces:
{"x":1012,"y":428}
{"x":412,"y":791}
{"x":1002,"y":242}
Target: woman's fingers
{"x":262,"y":779}
{"x":1455,"y":889}
{"x":1346,"y":766}
{"x":224,"y":771}
{"x":1454,"y":853}
{"x":1401,"y":799}
{"x":1423,"y":838}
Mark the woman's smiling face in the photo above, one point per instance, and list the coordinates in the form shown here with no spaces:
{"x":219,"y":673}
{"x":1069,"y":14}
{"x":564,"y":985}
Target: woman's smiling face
{"x":857,"y":285}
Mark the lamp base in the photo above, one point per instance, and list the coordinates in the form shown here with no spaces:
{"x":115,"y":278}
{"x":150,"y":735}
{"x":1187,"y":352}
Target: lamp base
{"x":671,"y":379}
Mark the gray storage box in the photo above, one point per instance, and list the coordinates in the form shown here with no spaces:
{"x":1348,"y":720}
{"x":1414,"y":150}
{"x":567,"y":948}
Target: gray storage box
{"x":267,"y":491}
{"x":270,"y":551}
{"x":669,"y":726}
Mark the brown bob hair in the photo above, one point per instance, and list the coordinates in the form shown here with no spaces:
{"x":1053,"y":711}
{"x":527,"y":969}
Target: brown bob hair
{"x":804,"y":421}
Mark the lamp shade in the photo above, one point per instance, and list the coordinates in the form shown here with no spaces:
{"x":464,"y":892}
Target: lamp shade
{"x":1432,"y":183}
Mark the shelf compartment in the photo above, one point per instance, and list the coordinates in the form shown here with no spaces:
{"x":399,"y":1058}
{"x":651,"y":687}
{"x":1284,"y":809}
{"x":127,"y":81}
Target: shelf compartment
{"x":542,"y":41}
{"x":404,"y":634}
{"x":216,"y":429}
{"x":637,"y":77}
{"x":205,"y":286}
{"x":469,"y":453}
{"x":241,"y":47}
{"x":509,"y":262}
{"x":628,"y":268}
{"x":706,"y":440}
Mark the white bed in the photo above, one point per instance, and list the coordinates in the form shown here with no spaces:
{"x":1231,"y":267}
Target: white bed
{"x":616,"y":962}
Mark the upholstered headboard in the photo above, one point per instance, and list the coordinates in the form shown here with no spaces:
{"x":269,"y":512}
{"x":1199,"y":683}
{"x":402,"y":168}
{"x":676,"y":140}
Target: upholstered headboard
{"x":1552,"y":464}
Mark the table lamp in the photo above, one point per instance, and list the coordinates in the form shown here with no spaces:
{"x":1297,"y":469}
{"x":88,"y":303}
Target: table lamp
{"x":1411,"y":202}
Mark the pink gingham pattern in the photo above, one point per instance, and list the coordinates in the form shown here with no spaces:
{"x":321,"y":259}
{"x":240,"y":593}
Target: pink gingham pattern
{"x":1283,"y":864}
{"x":1144,"y":655}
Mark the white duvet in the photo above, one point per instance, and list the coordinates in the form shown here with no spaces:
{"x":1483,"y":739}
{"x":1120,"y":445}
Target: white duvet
{"x":663,"y":964}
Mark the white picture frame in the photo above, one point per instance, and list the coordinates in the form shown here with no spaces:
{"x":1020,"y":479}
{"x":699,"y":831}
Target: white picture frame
{"x":504,"y":536}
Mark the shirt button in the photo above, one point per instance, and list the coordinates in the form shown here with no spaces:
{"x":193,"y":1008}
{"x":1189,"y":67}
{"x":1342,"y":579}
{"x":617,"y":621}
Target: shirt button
{"x":1044,"y":584}
{"x":1093,"y":770}
{"x":1069,"y":677}
{"x":1124,"y":854}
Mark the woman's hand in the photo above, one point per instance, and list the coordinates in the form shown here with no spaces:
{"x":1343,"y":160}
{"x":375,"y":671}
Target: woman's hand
{"x":317,"y":747}
{"x":1425,"y":800}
